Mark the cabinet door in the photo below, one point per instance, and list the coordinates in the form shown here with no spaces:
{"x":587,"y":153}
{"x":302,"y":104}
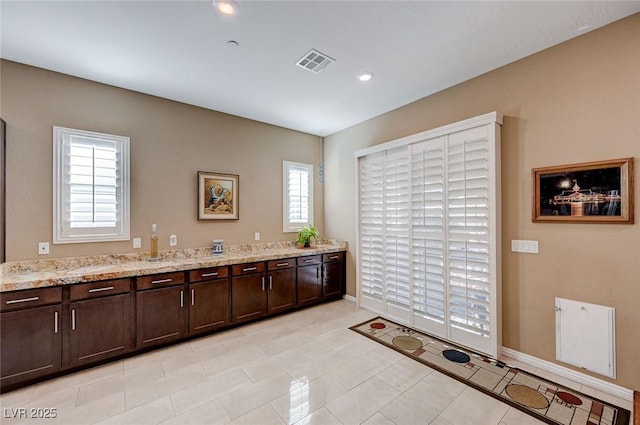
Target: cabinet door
{"x":209,"y":305}
{"x":31,"y":343}
{"x":282,"y":290}
{"x":309,"y":284}
{"x":332,"y":278}
{"x":160,"y":315}
{"x":100,"y":328}
{"x":248,"y":297}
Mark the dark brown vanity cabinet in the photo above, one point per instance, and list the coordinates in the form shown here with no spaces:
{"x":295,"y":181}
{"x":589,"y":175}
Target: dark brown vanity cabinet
{"x":48,"y":330}
{"x":208,"y":299}
{"x":281,"y":285}
{"x":309,"y":279}
{"x":30,"y":334}
{"x":160,"y":309}
{"x":100,"y":321}
{"x":333,"y":275}
{"x":248,"y":292}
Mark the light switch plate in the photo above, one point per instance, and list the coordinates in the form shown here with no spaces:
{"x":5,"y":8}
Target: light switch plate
{"x":137,"y":243}
{"x":256,"y":236}
{"x":173,"y":240}
{"x":528,"y":247}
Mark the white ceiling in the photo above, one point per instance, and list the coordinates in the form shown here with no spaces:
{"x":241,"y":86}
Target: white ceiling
{"x":178,"y":49}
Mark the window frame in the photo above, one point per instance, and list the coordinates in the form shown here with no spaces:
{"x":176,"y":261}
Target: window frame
{"x":287,"y":225}
{"x":64,"y":234}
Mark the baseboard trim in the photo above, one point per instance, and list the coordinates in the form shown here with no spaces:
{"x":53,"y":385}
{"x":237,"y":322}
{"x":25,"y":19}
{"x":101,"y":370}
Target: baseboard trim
{"x":350,"y":298}
{"x":581,"y":378}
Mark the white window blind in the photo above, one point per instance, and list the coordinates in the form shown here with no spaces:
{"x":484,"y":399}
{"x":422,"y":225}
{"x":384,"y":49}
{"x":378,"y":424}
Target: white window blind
{"x":91,"y":186}
{"x":428,"y":231}
{"x":297,"y":195}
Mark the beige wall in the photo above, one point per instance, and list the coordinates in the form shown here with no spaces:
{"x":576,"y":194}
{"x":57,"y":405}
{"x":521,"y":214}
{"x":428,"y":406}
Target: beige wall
{"x":170,"y":142}
{"x":576,"y":102}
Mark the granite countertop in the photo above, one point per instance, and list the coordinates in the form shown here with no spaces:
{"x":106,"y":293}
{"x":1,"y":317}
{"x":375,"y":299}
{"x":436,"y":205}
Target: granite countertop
{"x":64,"y":271}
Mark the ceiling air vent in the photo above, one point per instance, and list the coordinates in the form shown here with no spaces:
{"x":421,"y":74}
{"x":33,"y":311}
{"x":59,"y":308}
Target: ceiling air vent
{"x":314,"y":61}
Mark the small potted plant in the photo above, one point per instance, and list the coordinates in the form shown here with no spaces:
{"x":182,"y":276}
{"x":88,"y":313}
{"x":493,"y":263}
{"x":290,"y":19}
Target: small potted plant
{"x":306,"y":234}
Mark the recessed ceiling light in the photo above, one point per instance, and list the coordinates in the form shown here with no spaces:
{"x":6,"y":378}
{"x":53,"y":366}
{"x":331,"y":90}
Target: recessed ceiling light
{"x":583,"y":28}
{"x":365,"y":76}
{"x":226,"y":7}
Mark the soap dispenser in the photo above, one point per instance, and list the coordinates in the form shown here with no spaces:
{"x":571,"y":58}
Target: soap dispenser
{"x":154,"y":243}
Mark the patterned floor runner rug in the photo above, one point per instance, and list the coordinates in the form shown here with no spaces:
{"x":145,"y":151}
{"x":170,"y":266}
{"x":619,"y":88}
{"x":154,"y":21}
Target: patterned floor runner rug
{"x":536,"y":396}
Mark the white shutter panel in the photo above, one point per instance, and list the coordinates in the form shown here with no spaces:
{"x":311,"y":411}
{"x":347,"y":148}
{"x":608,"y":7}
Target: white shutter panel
{"x":428,"y":236}
{"x":91,"y":186}
{"x":93,"y":183}
{"x":468,"y":237}
{"x":297,"y":195}
{"x":371,"y":229}
{"x":396,"y":232}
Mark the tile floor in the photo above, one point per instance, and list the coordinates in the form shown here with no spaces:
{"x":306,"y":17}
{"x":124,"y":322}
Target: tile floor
{"x":302,"y":368}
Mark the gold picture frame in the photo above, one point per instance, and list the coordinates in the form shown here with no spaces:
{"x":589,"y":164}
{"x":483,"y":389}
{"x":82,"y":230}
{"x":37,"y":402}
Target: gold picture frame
{"x":589,"y":192}
{"x":218,"y":196}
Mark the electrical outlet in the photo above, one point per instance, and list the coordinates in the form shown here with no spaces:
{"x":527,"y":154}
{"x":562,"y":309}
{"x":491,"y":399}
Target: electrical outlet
{"x":43,"y":248}
{"x":173,"y":240}
{"x":137,"y":243}
{"x":256,"y":236}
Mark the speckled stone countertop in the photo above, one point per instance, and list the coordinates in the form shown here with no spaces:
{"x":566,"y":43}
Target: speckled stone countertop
{"x":63,"y":271}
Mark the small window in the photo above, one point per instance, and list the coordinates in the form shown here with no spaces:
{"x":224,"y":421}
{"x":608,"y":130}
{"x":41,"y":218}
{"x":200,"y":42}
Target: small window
{"x":297,"y":195}
{"x":90,"y":186}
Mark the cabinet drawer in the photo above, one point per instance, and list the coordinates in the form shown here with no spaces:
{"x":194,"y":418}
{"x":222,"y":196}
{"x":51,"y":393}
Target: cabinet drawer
{"x":210,"y":273}
{"x":309,"y":259}
{"x":159,"y":280}
{"x":281,"y":264}
{"x":29,"y":298}
{"x":100,"y":289}
{"x":332,"y":256}
{"x":247,"y":268}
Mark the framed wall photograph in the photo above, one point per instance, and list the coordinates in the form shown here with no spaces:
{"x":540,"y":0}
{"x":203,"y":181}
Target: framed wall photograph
{"x":218,"y":196}
{"x":590,"y":192}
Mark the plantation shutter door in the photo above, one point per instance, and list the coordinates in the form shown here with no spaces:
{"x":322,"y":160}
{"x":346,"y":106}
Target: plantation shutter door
{"x":429,"y":231}
{"x":427,"y":236}
{"x":371,"y":227}
{"x":396,"y":233}
{"x":468,"y":180}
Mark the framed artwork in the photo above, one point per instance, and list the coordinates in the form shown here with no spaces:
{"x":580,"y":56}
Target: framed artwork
{"x":218,"y":196}
{"x":590,"y":192}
